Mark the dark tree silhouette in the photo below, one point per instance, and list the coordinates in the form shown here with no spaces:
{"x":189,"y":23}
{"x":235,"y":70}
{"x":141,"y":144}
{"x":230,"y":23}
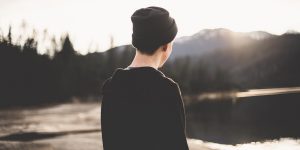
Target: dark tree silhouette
{"x":28,"y":77}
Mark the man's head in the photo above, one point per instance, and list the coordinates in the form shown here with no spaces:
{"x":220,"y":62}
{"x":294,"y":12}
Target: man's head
{"x":153,"y":30}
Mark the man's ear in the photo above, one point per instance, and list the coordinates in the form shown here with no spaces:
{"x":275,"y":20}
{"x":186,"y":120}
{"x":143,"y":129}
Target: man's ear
{"x":165,"y":47}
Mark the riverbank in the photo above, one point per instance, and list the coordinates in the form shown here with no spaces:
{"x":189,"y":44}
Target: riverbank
{"x":76,"y":126}
{"x":70,"y":126}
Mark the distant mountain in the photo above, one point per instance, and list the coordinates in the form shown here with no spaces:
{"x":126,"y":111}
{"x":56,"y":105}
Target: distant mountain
{"x":220,"y":59}
{"x":210,"y":39}
{"x":240,"y":61}
{"x":259,"y":35}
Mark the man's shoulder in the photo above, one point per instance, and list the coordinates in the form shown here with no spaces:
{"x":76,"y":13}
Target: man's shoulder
{"x":170,"y":83}
{"x":106,"y":85}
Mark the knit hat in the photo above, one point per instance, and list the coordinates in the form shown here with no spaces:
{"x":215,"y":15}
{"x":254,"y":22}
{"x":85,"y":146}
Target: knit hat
{"x":152,"y":27}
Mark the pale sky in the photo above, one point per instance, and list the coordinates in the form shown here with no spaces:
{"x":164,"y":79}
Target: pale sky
{"x":92,"y":22}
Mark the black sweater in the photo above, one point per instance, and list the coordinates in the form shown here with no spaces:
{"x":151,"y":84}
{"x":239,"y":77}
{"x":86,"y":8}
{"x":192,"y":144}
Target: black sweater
{"x":142,"y":109}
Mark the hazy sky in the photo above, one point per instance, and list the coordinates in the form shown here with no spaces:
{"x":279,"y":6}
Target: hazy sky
{"x":92,"y":22}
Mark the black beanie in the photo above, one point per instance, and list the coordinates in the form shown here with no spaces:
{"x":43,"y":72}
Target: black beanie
{"x":152,"y":27}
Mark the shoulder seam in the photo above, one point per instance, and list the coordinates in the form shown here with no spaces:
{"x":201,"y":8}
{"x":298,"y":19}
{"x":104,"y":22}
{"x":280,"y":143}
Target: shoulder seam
{"x":105,"y":84}
{"x":171,"y":80}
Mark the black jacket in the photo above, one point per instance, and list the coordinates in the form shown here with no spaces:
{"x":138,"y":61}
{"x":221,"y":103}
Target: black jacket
{"x":142,"y":109}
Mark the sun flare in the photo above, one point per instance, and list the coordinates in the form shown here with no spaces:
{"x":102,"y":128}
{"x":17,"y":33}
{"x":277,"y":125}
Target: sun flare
{"x":91,"y":23}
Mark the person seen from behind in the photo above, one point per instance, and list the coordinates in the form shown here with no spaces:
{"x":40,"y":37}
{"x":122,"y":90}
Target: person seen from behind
{"x":142,"y":109}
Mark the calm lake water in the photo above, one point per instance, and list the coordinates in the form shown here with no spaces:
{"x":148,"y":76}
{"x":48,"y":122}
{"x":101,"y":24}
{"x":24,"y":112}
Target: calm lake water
{"x":254,"y":122}
{"x":253,"y":116}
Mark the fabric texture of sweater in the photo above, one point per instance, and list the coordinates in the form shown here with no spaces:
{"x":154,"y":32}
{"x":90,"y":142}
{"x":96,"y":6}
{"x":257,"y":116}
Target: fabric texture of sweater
{"x":142,"y":109}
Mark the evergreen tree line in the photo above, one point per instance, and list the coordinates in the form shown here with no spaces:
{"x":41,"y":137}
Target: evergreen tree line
{"x":28,"y":77}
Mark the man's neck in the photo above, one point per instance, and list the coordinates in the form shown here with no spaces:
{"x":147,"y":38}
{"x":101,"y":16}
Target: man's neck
{"x":142,"y":60}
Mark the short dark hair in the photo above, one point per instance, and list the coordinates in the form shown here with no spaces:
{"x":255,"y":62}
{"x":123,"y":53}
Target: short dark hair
{"x":152,"y":28}
{"x":148,"y":51}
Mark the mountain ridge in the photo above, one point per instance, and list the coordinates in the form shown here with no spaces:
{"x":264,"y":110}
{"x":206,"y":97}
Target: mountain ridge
{"x":209,"y":39}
